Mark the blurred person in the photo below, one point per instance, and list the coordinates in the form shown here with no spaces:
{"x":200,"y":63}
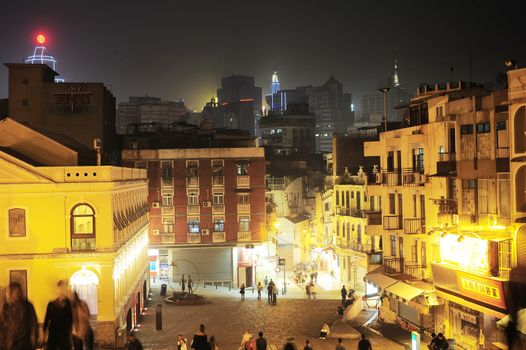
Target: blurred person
{"x":181,"y":342}
{"x":260,"y":288}
{"x":183,"y":281}
{"x":190,"y":286}
{"x":250,"y":344}
{"x":58,"y":323}
{"x":516,"y":325}
{"x":290,"y":345}
{"x":343,"y":292}
{"x":242,"y":291}
{"x":82,"y":332}
{"x":364,"y":344}
{"x":213,"y":343}
{"x":18,"y":321}
{"x":431,"y":344}
{"x":245,"y":338}
{"x":340,"y":344}
{"x":307,"y":345}
{"x":313,"y":290}
{"x":261,"y":343}
{"x":200,"y":341}
{"x":441,"y":342}
{"x":274,"y":293}
{"x":133,"y":342}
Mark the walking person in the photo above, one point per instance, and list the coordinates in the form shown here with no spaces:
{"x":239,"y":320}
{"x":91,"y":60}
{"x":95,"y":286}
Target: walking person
{"x":133,"y":342}
{"x":242,"y":291}
{"x":181,"y":342}
{"x":261,"y":343}
{"x":250,"y":344}
{"x":190,"y":287}
{"x":340,"y":344}
{"x":343,"y":292}
{"x":316,"y":277}
{"x":82,"y":332}
{"x":58,"y":322}
{"x":441,"y":342}
{"x":183,"y":282}
{"x":364,"y":344}
{"x":307,"y":345}
{"x":213,"y":344}
{"x":266,"y":281}
{"x":18,"y":321}
{"x":431,"y":345}
{"x":260,"y":288}
{"x":313,"y":291}
{"x":200,"y":341}
{"x":308,"y":291}
{"x":269,"y":291}
{"x":274,"y":293}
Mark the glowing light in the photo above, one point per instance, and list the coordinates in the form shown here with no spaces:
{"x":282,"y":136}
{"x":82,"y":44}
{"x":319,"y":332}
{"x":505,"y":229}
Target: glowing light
{"x":468,"y":253}
{"x":41,"y":38}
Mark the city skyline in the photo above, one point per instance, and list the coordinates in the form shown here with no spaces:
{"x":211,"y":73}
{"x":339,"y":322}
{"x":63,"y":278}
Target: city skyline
{"x":193,"y":49}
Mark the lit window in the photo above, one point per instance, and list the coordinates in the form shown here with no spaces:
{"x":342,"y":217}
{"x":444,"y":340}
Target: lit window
{"x":193,"y":225}
{"x":244,"y":224}
{"x":219,"y":225}
{"x":17,"y":222}
{"x":272,"y":131}
{"x":167,"y":198}
{"x":82,"y":227}
{"x":168,"y":225}
{"x":218,"y":198}
{"x":191,"y":168}
{"x":242,"y":167}
{"x":243,"y":198}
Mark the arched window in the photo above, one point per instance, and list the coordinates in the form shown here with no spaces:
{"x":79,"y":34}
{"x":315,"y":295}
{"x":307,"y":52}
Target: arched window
{"x":82,"y":227}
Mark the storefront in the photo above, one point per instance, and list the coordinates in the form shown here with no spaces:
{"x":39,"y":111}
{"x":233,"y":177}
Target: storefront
{"x":474,"y":304}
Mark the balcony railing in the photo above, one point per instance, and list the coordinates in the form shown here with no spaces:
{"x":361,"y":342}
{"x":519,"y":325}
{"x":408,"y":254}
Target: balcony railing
{"x":219,"y":237}
{"x":194,"y":238}
{"x":392,"y":222}
{"x":447,"y":157}
{"x":243,"y":208}
{"x":392,"y":265}
{"x":503,"y":152}
{"x":244,"y":236}
{"x":192,"y":181}
{"x":414,"y":226}
{"x":83,"y":243}
{"x":218,"y":208}
{"x":218,"y":180}
{"x":446,"y":206}
{"x":192,"y":209}
{"x":243,"y":181}
{"x":343,"y":211}
{"x":415,"y":270}
{"x":374,"y":217}
{"x":374,"y":258}
{"x":412,"y":177}
{"x":167,"y":210}
{"x":391,"y":178}
{"x":358,"y":214}
{"x":167,"y":238}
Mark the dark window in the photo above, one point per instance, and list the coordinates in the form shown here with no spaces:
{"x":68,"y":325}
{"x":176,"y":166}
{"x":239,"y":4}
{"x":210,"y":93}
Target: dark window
{"x":17,"y":222}
{"x":166,"y":173}
{"x":469,"y":184}
{"x":242,"y":167}
{"x":393,"y":245}
{"x":82,"y":227}
{"x":25,"y":82}
{"x":392,"y":209}
{"x":25,"y":102}
{"x":500,"y":125}
{"x":466,"y":129}
{"x":483,"y":128}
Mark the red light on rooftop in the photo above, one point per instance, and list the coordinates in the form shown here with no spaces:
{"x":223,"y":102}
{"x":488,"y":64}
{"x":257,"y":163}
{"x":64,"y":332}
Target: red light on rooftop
{"x":246,"y":100}
{"x":41,"y":38}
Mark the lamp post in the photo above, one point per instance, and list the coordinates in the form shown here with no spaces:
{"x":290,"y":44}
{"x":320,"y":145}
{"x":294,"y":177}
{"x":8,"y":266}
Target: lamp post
{"x":385,"y":90}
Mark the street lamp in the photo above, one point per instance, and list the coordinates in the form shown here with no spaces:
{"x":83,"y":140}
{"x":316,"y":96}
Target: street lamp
{"x":510,"y":64}
{"x":385,"y":90}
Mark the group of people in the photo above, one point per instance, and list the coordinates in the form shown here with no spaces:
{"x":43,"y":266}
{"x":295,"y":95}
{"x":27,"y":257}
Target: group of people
{"x":438,"y":342}
{"x":270,"y":285}
{"x":348,"y":297}
{"x":66,"y":323}
{"x":188,"y":283}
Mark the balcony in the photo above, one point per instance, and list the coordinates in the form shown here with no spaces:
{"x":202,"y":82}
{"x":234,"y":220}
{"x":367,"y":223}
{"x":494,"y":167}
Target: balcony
{"x":360,"y":214}
{"x":392,"y":222}
{"x":374,"y":217}
{"x":80,"y":244}
{"x":219,"y":237}
{"x":446,"y":163}
{"x":391,"y":178}
{"x":244,"y":236}
{"x":447,"y":157}
{"x":193,"y":238}
{"x":392,"y":265}
{"x":342,"y":211}
{"x":192,"y":209}
{"x":168,"y":210}
{"x":167,"y":238}
{"x":243,"y":208}
{"x":502,"y":152}
{"x":374,"y":258}
{"x":446,"y":206}
{"x":414,"y":226}
{"x":411,"y":177}
{"x":243,"y":181}
{"x":415,"y":271}
{"x":218,"y":180}
{"x":218,"y":209}
{"x":192,"y":181}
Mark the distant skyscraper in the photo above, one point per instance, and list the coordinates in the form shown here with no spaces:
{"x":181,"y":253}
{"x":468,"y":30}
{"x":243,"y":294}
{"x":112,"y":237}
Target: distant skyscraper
{"x":396,"y":83}
{"x":38,"y":56}
{"x":275,"y":83}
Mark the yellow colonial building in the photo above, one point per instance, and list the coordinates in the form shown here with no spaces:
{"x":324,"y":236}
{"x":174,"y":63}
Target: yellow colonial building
{"x":87,"y":224}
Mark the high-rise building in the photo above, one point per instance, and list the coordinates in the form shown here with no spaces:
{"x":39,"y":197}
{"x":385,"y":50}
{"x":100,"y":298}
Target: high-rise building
{"x":147,"y":109}
{"x":237,"y":91}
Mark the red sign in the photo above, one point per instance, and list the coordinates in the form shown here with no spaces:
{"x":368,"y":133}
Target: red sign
{"x":481,"y":288}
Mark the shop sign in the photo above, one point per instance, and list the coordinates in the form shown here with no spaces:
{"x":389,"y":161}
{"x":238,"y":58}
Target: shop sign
{"x":481,"y":288}
{"x":467,"y":317}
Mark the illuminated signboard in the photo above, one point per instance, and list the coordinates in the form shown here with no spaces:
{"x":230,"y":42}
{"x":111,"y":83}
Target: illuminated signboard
{"x":481,"y":288}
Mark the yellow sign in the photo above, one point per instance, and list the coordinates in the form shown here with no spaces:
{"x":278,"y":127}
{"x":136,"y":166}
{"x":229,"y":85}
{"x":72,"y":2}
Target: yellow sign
{"x":481,"y":288}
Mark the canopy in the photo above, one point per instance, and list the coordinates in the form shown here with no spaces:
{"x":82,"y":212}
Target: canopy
{"x":380,"y":280}
{"x":404,"y":290}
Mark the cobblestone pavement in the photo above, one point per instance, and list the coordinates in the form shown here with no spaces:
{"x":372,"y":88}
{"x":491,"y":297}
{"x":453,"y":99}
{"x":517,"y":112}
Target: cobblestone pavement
{"x":227,"y":318}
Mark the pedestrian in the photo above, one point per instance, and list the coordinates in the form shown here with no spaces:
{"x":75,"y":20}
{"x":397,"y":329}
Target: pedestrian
{"x":18,"y":321}
{"x":269,"y":290}
{"x":213,"y":344}
{"x":340,"y":345}
{"x":261,"y":343}
{"x":325,"y":330}
{"x":441,"y":342}
{"x":313,"y":290}
{"x":315,"y":276}
{"x":364,"y":344}
{"x":307,"y":345}
{"x":431,"y":345}
{"x":181,"y":342}
{"x":82,"y":332}
{"x":250,"y":344}
{"x":242,"y":291}
{"x":183,"y":282}
{"x":133,"y":342}
{"x":343,"y":292}
{"x":200,"y":341}
{"x":517,"y":305}
{"x":290,"y":345}
{"x":274,"y":293}
{"x":190,"y":287}
{"x":246,"y":336}
{"x":58,"y":322}
{"x":260,"y":288}
{"x":266,"y":281}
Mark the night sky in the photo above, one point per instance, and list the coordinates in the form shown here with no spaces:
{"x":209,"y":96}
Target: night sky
{"x":177,"y":49}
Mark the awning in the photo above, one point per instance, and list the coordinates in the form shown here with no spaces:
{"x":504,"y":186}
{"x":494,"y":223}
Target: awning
{"x":404,"y":290}
{"x":379,"y":280}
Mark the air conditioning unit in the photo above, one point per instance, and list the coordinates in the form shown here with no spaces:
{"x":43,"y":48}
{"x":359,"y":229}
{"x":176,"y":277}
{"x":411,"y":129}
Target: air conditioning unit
{"x":455,"y":219}
{"x":207,"y":204}
{"x":155,"y":232}
{"x":205,"y":231}
{"x":156,"y":205}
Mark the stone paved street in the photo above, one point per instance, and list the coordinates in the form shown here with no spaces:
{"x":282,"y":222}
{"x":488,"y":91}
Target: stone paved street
{"x":227,"y":318}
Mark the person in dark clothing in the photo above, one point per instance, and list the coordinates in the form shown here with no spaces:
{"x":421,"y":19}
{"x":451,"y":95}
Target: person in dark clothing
{"x":441,"y":342}
{"x":200,"y":341}
{"x":190,"y":285}
{"x":58,"y":322}
{"x":18,"y":322}
{"x":269,"y":290}
{"x":183,"y":281}
{"x":431,"y":345}
{"x":133,"y":343}
{"x":82,"y":332}
{"x":364,"y":344}
{"x":242,"y":291}
{"x":261,"y":343}
{"x":344,"y":294}
{"x":307,"y":345}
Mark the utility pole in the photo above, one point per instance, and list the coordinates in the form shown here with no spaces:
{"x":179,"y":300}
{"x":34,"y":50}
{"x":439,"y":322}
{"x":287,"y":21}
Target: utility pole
{"x":385,"y":90}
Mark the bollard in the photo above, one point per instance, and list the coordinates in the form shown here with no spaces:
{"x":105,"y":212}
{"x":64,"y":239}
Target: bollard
{"x":163,"y":289}
{"x":159,"y":317}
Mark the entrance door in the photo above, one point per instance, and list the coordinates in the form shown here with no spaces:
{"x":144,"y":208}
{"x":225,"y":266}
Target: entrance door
{"x":249,"y":277}
{"x":85,"y":283}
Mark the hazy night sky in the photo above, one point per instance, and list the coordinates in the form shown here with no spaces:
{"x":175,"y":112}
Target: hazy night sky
{"x":177,"y":49}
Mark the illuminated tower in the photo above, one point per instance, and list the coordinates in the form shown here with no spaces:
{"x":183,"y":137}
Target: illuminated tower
{"x":39,"y":57}
{"x":275,"y":83}
{"x":396,"y":82}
